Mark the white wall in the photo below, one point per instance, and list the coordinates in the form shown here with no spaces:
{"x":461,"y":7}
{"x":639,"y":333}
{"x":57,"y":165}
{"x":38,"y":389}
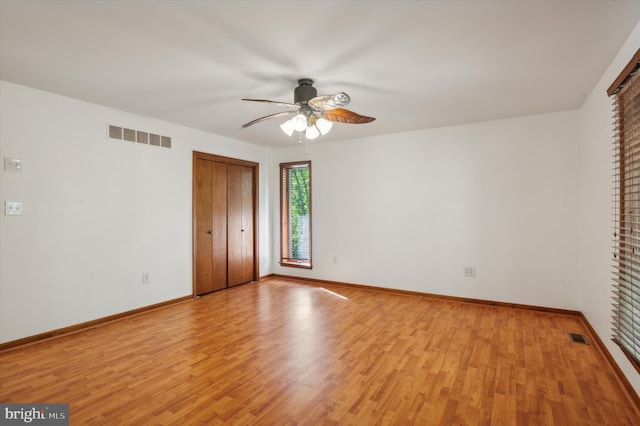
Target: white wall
{"x":596,"y":196}
{"x":410,"y":211}
{"x":97,"y":212}
{"x":526,"y":201}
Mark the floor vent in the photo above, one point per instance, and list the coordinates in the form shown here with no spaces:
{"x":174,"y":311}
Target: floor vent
{"x":131,"y":135}
{"x":578,"y":338}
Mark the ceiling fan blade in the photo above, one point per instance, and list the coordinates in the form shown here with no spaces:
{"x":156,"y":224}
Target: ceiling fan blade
{"x":341,"y":115}
{"x":330,"y":101}
{"x":267,"y":117}
{"x":284,"y":104}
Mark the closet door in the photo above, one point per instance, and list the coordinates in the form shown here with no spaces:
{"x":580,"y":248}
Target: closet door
{"x":224,"y":214}
{"x":210,"y":227}
{"x":219,"y":225}
{"x":202,"y":203}
{"x":240,"y":232}
{"x":248,"y":220}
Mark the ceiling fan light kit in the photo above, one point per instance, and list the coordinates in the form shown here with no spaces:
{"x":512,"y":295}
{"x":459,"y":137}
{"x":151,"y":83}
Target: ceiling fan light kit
{"x":299,"y":122}
{"x":287,"y":127}
{"x":312,"y":132}
{"x":323,"y":125}
{"x":314,"y":115}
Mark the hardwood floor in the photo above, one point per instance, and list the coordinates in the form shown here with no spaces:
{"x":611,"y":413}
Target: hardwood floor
{"x":285,"y":353}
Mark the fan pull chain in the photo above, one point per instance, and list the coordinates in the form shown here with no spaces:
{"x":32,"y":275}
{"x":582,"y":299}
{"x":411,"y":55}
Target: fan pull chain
{"x":305,"y":143}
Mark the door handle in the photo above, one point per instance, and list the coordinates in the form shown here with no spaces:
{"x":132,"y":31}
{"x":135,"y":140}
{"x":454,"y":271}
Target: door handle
{"x":209,"y":232}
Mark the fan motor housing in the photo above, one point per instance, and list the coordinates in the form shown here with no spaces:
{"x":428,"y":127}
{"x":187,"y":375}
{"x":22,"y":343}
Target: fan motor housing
{"x":304,"y":92}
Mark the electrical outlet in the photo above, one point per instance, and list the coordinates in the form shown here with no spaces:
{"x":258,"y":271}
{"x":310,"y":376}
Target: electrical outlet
{"x":470,"y":271}
{"x":145,"y":277}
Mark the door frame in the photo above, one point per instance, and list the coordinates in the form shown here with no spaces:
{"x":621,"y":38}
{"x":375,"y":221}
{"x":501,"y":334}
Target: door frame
{"x":197,"y":155}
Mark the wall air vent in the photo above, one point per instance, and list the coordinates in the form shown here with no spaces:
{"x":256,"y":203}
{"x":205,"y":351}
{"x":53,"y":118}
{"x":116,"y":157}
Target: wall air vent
{"x":139,"y":136}
{"x":154,"y":139}
{"x":578,"y":338}
{"x":129,"y":135}
{"x":142,"y":137}
{"x":115,"y":132}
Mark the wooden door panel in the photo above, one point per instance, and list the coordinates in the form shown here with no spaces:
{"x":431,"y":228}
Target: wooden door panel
{"x":219,"y":225}
{"x":248,"y":234}
{"x":203,"y":204}
{"x":234,"y":221}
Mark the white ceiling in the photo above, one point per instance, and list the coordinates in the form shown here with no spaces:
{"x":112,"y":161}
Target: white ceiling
{"x":411,"y":64}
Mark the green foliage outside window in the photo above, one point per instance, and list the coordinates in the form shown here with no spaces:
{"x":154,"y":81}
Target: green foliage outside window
{"x":299,"y":211}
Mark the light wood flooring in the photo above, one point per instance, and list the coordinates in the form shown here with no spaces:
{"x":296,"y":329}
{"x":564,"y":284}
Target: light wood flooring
{"x":282,"y":352}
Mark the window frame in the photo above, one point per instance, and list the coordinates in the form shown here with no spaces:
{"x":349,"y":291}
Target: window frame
{"x":285,"y":260}
{"x":626,"y":324}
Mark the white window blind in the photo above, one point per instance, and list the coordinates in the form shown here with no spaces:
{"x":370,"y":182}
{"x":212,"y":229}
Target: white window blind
{"x":626,"y":177}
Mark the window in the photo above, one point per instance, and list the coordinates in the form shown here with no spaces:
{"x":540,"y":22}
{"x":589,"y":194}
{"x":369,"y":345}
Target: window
{"x":626,"y":306}
{"x":295,"y":214}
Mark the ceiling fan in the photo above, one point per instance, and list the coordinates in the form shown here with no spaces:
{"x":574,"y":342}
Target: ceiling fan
{"x":312,"y":114}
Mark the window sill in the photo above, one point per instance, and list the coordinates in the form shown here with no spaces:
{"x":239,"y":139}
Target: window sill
{"x":296,"y":264}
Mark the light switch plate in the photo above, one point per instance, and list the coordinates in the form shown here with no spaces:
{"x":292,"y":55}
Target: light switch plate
{"x":13,"y":208}
{"x":12,"y":164}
